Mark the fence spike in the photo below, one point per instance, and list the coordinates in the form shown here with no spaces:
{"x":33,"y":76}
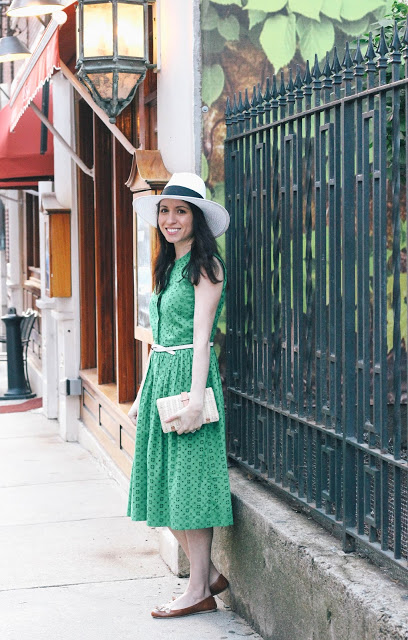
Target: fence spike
{"x":240,"y":103}
{"x":247,"y":106}
{"x":336,"y":66}
{"x":234,"y":105}
{"x":290,"y":86}
{"x":326,"y":69}
{"x":382,"y":48}
{"x":274,"y":87}
{"x":254,"y":100}
{"x":298,"y":79}
{"x":260,"y":96}
{"x":228,"y":109}
{"x":358,"y":58}
{"x":268,"y":94}
{"x":307,"y":79}
{"x":370,"y":53}
{"x":396,"y":42}
{"x":316,"y":73}
{"x":347,"y":61}
{"x":282,"y":89}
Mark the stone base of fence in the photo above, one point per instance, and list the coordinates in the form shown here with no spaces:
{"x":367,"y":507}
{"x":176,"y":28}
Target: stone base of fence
{"x":291,"y":580}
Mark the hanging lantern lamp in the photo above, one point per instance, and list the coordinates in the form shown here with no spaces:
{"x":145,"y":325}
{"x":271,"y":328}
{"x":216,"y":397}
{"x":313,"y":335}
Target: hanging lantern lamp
{"x":11,"y":49}
{"x":112,"y":50}
{"x":20,"y":8}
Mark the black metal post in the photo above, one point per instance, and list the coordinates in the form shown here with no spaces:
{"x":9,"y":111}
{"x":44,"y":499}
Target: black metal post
{"x":18,"y":387}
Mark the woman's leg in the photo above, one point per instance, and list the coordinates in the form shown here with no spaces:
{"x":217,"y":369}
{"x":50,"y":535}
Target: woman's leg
{"x":199,"y":547}
{"x":181,"y":537}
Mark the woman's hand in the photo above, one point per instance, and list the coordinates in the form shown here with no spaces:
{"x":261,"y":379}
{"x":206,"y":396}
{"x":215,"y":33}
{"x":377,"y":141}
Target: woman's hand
{"x":191,"y":418}
{"x":134,"y":410}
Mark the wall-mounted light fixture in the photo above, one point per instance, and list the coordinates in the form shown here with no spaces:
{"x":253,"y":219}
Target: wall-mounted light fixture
{"x":11,"y":49}
{"x":112,"y":50}
{"x":20,"y":8}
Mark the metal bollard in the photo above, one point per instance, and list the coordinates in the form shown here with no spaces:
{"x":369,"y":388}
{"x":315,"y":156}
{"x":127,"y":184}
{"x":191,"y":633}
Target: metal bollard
{"x":17,"y":383}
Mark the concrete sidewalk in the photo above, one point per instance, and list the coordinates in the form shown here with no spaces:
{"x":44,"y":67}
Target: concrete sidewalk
{"x":72,"y":565}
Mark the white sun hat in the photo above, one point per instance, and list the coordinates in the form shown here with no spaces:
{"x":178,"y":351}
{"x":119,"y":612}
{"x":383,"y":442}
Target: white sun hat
{"x":190,"y":188}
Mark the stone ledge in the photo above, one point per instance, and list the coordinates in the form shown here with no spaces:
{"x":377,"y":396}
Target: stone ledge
{"x":291,"y":580}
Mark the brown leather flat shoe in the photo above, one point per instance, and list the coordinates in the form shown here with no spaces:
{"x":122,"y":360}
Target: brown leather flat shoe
{"x":204,"y":606}
{"x":219,"y":585}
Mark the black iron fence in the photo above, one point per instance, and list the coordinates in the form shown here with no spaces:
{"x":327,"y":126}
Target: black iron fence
{"x":316,"y":184}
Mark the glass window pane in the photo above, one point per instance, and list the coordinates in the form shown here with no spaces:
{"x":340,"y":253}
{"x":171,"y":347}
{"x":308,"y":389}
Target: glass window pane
{"x":144,"y":272}
{"x":126,"y":82}
{"x":98,"y":30}
{"x":103,"y":83}
{"x":130,"y":30}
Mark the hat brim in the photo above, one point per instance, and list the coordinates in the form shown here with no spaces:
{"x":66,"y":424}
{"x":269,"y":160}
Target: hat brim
{"x":216,"y":215}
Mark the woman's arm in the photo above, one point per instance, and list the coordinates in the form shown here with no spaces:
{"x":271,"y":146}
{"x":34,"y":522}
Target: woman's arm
{"x":207,"y":297}
{"x":134,"y":409}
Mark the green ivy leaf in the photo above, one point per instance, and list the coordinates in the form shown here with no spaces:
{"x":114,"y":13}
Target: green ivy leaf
{"x":204,"y":168}
{"x":383,"y":10}
{"x":269,"y":6}
{"x":238,"y":2}
{"x":213,"y":41}
{"x":331,"y":9}
{"x":209,"y":19}
{"x":315,"y":37}
{"x":278,"y":39}
{"x":307,"y":8}
{"x":355,"y":28}
{"x":353,"y":10}
{"x":229,"y":28}
{"x":255,"y":17}
{"x":212,"y":83}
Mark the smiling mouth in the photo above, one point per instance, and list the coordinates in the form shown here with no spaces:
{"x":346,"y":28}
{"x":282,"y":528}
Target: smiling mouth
{"x":172,"y":231}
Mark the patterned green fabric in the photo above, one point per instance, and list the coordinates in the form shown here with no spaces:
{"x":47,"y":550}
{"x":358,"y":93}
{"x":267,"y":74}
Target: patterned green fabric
{"x":178,"y":481}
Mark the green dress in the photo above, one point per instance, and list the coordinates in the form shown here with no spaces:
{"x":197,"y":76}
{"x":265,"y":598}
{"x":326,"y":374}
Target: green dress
{"x":178,"y":481}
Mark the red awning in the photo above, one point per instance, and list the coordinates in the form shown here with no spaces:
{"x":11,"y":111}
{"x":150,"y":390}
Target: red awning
{"x":45,"y":65}
{"x":21,"y":163}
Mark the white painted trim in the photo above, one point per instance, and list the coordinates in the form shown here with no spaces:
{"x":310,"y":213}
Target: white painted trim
{"x":56,"y":134}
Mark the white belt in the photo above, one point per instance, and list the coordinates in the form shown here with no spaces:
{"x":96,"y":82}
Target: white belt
{"x":173,"y":349}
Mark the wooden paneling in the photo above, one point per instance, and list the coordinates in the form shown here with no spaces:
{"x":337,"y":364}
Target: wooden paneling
{"x":87,"y":307}
{"x":89,"y":403}
{"x":125,"y":342}
{"x":109,"y":424}
{"x":127,"y":443}
{"x":104,"y":256}
{"x":60,"y":255}
{"x":107,"y":420}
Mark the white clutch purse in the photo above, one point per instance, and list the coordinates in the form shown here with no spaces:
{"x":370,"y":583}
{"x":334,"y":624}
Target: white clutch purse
{"x":167,"y":407}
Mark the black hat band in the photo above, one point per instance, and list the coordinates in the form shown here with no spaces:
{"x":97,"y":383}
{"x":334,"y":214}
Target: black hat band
{"x":174,"y":190}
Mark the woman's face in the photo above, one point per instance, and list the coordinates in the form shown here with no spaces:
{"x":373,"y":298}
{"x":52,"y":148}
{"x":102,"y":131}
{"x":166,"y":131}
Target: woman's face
{"x":175,"y":221}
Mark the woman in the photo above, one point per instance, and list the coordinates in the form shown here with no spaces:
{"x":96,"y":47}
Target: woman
{"x":180,"y":479}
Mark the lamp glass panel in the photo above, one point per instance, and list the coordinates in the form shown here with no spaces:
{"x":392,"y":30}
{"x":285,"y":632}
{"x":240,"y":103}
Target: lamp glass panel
{"x":126,"y":82}
{"x":103,"y":83}
{"x":131,"y":30}
{"x":98,"y":30}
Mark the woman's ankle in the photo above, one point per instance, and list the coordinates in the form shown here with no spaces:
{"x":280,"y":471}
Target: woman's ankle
{"x":198,"y":592}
